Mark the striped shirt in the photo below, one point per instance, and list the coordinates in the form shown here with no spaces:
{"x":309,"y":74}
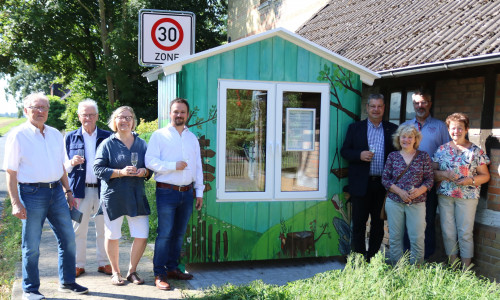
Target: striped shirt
{"x":376,"y":142}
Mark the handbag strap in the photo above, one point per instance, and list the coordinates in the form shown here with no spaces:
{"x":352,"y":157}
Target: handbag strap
{"x":406,"y":169}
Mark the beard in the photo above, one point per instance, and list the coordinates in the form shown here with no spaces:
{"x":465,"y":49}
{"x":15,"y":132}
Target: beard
{"x":179,"y":122}
{"x":421,"y":113}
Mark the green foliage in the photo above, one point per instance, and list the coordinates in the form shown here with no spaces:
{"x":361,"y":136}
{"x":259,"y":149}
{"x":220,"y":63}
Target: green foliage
{"x":57,"y":108}
{"x":6,"y":127}
{"x":376,"y":280}
{"x":95,"y":44}
{"x":10,"y":249}
{"x":146,"y":127}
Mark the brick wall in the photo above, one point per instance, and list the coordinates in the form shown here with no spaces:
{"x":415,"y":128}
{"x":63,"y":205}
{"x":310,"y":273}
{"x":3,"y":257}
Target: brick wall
{"x":487,"y":251}
{"x":493,"y":202}
{"x":460,"y":95}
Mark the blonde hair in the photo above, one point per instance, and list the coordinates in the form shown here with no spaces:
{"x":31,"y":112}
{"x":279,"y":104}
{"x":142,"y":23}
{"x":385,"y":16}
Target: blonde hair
{"x":406,"y":130}
{"x":116,"y":112}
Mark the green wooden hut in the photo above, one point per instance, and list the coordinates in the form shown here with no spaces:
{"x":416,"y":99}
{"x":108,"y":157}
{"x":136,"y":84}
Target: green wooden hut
{"x":271,"y":112}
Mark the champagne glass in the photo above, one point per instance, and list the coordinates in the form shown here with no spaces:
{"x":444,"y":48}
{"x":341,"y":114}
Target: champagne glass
{"x":80,"y":152}
{"x":134,"y":158}
{"x":372,"y":149}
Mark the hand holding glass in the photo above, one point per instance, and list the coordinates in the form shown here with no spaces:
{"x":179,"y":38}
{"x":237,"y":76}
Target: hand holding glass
{"x":80,"y":152}
{"x":134,"y":157}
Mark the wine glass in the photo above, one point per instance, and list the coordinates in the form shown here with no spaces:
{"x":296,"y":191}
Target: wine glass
{"x":372,"y":149}
{"x":80,"y":152}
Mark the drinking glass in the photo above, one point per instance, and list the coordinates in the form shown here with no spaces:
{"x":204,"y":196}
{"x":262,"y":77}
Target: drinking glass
{"x":372,"y":149}
{"x":80,"y":152}
{"x":134,"y":158}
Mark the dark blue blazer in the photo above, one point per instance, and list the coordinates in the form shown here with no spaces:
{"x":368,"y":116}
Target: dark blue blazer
{"x":74,"y":141}
{"x":355,"y":142}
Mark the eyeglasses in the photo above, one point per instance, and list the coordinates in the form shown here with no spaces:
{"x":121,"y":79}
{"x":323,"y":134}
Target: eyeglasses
{"x":127,"y":118}
{"x":88,"y":115}
{"x":39,"y":108}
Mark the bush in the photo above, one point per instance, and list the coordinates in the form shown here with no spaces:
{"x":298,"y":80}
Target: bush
{"x":146,"y":127}
{"x":57,"y":108}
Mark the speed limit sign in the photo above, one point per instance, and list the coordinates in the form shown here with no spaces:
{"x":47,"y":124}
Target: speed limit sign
{"x":164,"y":36}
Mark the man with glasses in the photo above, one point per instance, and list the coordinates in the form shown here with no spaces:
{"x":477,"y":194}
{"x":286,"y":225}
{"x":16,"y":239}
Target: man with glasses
{"x":84,"y":183}
{"x":434,"y":134}
{"x":367,"y":145}
{"x":34,"y":164}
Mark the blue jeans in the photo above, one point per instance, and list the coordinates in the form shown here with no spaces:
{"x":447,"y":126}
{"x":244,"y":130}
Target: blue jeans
{"x":41,"y":203}
{"x":174,"y":211}
{"x":413,"y":216}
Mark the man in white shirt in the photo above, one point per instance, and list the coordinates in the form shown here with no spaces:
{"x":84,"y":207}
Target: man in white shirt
{"x":34,"y":164}
{"x":84,"y":183}
{"x":174,"y":155}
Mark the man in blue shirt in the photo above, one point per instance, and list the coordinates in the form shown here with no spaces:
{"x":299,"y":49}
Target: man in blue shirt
{"x":85,"y":184}
{"x":434,"y":134}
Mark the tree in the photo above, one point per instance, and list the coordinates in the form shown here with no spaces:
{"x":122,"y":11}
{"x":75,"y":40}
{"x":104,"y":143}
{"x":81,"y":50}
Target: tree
{"x":98,"y":40}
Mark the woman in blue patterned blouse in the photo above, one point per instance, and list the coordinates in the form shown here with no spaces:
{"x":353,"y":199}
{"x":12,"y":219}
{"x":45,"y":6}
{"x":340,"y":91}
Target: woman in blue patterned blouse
{"x":405,"y":203}
{"x":460,"y":167}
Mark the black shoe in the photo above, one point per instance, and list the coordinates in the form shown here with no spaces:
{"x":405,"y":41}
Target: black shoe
{"x":74,"y":288}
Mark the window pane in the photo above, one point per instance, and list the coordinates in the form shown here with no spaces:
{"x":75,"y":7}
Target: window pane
{"x":300,"y":168}
{"x":246,"y":140}
{"x":395,"y":106}
{"x":410,"y":111}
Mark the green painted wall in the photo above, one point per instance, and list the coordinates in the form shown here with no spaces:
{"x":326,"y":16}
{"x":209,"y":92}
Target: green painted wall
{"x":232,"y":231}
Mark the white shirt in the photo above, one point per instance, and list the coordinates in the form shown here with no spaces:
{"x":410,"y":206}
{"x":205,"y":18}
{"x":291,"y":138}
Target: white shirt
{"x":35,"y":158}
{"x":89,"y":140}
{"x":166,"y":146}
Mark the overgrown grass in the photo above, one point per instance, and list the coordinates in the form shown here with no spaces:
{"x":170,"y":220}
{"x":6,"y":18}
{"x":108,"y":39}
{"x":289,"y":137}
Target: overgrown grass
{"x":376,"y":280}
{"x":10,"y":249}
{"x":15,"y":122}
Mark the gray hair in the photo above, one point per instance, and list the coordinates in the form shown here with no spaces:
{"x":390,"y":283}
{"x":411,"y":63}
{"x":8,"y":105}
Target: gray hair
{"x":87,"y":102}
{"x":27,"y":101}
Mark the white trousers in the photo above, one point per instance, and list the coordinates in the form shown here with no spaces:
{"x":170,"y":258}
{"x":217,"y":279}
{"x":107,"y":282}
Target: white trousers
{"x":457,"y":223}
{"x":89,"y":207}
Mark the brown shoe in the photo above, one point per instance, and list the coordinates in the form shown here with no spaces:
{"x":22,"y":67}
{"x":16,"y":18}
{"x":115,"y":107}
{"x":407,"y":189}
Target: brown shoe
{"x":79,"y":271}
{"x":105,"y":269}
{"x":177,"y":274}
{"x":161,"y":283}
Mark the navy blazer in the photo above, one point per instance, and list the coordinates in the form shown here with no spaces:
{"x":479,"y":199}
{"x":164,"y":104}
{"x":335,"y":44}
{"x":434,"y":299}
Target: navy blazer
{"x":74,"y":141}
{"x":355,"y":142}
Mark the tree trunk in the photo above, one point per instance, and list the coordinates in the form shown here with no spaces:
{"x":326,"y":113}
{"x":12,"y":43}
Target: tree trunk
{"x":106,"y":51}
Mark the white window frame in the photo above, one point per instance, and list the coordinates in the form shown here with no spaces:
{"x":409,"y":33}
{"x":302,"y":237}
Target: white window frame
{"x":274,"y":105}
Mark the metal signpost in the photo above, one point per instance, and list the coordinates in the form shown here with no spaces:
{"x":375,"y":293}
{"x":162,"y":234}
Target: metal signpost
{"x":165,"y":36}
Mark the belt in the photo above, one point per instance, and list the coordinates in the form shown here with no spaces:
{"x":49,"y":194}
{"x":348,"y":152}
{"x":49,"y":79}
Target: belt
{"x":375,"y":178}
{"x":92,"y":185}
{"x":183,"y":188}
{"x":49,"y":185}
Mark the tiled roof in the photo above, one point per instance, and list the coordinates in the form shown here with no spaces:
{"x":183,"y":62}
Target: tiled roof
{"x":390,"y":34}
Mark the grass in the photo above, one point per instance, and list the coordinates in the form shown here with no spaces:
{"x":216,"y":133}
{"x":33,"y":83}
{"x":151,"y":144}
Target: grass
{"x":8,"y":123}
{"x":10,"y":249}
{"x":376,"y":280}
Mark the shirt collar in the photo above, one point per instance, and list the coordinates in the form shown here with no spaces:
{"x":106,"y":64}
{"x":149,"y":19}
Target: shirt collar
{"x":33,"y":129}
{"x":93,"y":134}
{"x":373,"y":125}
{"x":172,"y":127}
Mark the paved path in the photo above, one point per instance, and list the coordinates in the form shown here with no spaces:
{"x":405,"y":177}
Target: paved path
{"x":273,"y":272}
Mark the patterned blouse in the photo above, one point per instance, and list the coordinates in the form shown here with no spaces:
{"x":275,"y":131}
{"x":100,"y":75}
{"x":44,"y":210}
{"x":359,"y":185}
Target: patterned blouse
{"x":419,"y":174}
{"x":464,"y":163}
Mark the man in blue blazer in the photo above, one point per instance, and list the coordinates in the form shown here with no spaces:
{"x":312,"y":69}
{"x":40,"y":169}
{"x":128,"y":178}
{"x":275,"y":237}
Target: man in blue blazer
{"x":85,"y":184}
{"x":366,"y":147}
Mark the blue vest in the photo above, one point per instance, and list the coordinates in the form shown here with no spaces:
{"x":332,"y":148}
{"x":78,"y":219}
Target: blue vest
{"x":74,"y":141}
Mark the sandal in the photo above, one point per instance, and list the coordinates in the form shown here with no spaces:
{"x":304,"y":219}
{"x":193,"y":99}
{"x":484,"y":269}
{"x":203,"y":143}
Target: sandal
{"x":116,"y":279}
{"x":135,"y":279}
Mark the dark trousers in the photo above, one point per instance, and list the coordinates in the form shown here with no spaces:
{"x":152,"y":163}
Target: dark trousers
{"x":431,"y":204}
{"x":368,"y":205}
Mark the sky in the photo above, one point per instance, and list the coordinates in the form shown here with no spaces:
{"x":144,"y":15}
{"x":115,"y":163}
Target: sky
{"x":7,"y":103}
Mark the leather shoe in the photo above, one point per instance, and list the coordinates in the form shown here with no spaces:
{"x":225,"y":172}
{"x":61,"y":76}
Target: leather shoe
{"x":105,"y":269}
{"x":161,"y":283}
{"x":177,"y":274}
{"x":79,"y":271}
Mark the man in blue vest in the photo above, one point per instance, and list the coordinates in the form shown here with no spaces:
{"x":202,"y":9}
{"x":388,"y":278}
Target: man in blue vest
{"x":85,"y":184}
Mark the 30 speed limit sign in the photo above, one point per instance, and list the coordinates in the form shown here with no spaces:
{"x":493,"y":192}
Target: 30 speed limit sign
{"x":165,"y":36}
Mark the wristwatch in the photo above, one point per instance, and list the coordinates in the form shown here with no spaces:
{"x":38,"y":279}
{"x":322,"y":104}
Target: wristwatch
{"x":473,"y":181}
{"x":68,"y":191}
